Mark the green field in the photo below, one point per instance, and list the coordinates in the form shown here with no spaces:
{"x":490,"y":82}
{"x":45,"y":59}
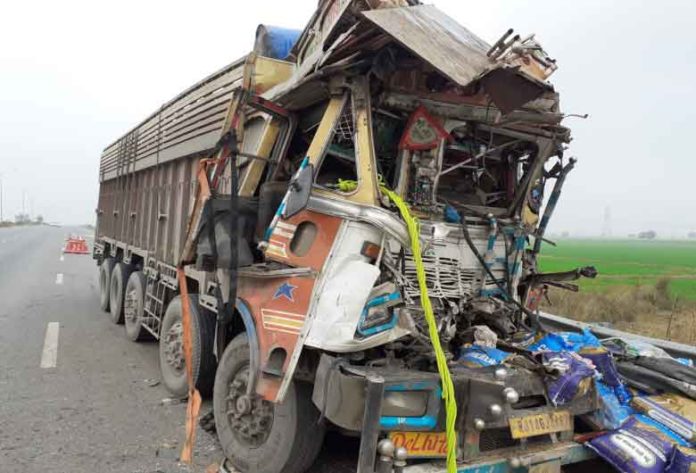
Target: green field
{"x":627,"y":262}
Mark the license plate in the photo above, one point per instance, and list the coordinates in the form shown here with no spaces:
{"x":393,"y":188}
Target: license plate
{"x":421,"y":444}
{"x":539,"y":424}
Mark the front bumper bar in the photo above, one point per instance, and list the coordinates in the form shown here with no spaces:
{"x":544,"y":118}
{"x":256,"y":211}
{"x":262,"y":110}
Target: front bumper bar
{"x":542,"y":458}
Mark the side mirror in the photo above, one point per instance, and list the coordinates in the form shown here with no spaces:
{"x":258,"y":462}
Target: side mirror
{"x":299,"y":191}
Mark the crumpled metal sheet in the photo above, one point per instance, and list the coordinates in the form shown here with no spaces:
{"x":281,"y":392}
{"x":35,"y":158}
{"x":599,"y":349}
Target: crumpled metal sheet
{"x":437,"y":38}
{"x":458,"y":53}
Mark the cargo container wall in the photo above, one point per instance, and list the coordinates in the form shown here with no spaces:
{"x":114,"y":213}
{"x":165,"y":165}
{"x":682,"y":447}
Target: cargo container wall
{"x":147,"y":177}
{"x":147,"y":210}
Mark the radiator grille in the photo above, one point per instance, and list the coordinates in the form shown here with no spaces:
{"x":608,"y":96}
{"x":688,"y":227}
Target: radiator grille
{"x":444,"y":276}
{"x":452,"y":270}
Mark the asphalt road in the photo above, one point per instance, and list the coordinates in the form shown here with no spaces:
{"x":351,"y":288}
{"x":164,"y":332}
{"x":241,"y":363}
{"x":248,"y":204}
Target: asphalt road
{"x":96,"y":410}
{"x":99,"y":409}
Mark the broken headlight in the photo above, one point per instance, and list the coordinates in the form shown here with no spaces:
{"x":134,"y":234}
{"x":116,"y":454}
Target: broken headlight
{"x":405,"y":403}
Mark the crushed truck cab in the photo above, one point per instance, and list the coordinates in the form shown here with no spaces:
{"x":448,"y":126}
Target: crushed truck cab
{"x":354,"y":212}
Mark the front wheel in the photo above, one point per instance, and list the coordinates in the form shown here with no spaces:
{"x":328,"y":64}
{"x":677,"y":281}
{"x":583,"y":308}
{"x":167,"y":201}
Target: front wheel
{"x":258,"y":436}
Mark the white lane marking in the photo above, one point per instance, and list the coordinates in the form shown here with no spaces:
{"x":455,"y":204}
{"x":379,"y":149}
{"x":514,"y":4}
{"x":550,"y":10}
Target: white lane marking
{"x":62,"y":258}
{"x":59,"y":278}
{"x":49,"y":356}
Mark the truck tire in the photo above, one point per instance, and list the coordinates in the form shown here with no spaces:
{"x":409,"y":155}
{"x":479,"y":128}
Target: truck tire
{"x":171,"y":348}
{"x":134,"y":307}
{"x":258,"y":436}
{"x":105,"y":270}
{"x":117,"y":291}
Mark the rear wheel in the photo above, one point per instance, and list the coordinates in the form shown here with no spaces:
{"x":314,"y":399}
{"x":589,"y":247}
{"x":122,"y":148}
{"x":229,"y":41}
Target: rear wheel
{"x":105,"y":270}
{"x":259,"y":436}
{"x":171,"y":348}
{"x":134,"y":307}
{"x":119,"y":276}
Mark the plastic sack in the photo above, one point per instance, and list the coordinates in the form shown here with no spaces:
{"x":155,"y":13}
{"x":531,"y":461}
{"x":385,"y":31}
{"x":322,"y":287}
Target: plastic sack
{"x":633,"y":347}
{"x":477,"y":356}
{"x":663,"y":409}
{"x":612,"y":413}
{"x":638,"y":446}
{"x":565,"y":341}
{"x":569,"y":375}
{"x":683,"y":461}
{"x":604,"y":364}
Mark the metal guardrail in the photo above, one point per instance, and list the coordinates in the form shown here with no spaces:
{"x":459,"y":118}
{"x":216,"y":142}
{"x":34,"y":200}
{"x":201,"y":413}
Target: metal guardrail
{"x":679,"y":350}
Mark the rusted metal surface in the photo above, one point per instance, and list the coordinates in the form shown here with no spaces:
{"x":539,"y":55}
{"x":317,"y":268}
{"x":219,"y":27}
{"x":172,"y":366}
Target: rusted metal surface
{"x":442,"y":42}
{"x":148,"y":210}
{"x":458,"y":53}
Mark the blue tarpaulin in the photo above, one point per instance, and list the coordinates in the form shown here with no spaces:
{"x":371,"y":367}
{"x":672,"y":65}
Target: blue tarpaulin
{"x":275,"y":42}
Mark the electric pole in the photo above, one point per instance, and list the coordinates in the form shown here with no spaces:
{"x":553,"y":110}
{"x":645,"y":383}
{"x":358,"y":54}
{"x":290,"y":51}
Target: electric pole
{"x":606,"y":226}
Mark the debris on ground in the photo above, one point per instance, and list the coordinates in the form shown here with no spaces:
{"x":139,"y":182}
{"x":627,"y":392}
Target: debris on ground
{"x":207,"y":422}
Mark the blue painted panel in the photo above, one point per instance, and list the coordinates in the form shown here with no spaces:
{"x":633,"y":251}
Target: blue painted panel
{"x":277,"y":41}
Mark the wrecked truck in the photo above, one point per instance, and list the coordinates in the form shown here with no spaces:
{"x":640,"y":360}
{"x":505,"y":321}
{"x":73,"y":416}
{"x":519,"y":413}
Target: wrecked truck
{"x":326,"y":233}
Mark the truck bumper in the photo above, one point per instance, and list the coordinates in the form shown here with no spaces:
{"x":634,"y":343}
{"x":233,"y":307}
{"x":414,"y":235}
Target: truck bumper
{"x":533,"y":459}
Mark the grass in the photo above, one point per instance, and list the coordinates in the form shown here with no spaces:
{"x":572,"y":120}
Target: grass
{"x":646,"y":287}
{"x":627,"y":263}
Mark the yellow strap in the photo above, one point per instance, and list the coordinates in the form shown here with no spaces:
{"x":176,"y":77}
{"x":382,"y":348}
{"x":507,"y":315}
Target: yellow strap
{"x":443,"y":369}
{"x":347,"y":185}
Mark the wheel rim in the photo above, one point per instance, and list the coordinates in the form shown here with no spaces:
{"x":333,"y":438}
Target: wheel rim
{"x":130,"y":307}
{"x":250,"y":417}
{"x":174,"y":347}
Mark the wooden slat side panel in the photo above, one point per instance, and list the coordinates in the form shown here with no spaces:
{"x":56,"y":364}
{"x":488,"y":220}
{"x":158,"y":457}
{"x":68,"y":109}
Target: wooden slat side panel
{"x":230,"y":70}
{"x":151,"y":214}
{"x":179,"y":125}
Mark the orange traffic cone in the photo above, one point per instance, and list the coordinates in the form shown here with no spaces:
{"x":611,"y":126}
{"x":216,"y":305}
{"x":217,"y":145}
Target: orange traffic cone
{"x":76,"y":245}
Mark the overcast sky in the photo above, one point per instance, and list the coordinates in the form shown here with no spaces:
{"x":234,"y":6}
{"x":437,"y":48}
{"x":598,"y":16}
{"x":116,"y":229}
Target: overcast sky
{"x":75,"y":75}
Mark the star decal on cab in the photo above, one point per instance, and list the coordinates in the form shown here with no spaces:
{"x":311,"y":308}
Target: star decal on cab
{"x":285,"y":290}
